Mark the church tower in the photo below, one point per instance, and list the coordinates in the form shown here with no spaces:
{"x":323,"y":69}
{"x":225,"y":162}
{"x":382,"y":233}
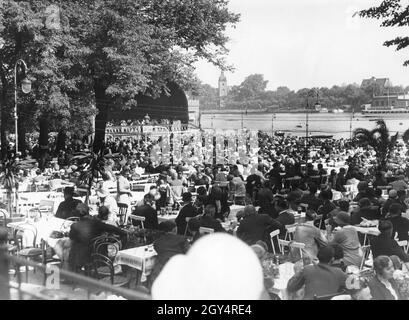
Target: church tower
{"x":222,"y":90}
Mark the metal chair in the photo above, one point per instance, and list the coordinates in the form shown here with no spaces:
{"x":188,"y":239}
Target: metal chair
{"x":274,"y":234}
{"x":139,"y":219}
{"x":289,"y":234}
{"x":123,"y":209}
{"x":291,"y":245}
{"x":366,"y":250}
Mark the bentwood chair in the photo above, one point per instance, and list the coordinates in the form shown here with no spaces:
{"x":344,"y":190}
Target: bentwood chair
{"x":100,"y":262}
{"x":48,"y":260}
{"x":29,"y":252}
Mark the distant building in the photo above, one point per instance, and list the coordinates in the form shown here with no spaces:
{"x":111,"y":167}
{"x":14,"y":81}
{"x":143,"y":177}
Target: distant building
{"x":223,"y":90}
{"x":381,"y":84}
{"x":194,"y":110}
{"x":393,"y":100}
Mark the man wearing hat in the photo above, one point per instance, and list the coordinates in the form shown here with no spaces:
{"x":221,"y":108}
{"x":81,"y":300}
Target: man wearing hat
{"x":67,"y":208}
{"x":108,"y":201}
{"x":187,"y":211}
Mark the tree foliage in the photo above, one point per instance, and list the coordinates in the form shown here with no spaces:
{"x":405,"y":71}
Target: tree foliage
{"x":104,"y":53}
{"x":392,"y":13}
{"x":379,"y":139}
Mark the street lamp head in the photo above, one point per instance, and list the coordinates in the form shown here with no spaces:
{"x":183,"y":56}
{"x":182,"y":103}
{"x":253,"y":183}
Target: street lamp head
{"x":26,"y":85}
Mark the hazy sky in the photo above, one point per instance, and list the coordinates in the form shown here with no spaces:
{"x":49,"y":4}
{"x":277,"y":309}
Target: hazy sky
{"x":308,"y":43}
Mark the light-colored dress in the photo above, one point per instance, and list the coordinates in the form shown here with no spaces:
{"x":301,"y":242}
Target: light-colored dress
{"x":123,"y":186}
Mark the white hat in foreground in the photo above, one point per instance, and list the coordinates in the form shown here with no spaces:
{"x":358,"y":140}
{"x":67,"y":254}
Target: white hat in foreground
{"x":217,"y":267}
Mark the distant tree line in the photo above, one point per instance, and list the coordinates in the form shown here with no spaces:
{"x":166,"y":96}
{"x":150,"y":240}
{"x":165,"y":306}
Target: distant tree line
{"x":252,"y":94}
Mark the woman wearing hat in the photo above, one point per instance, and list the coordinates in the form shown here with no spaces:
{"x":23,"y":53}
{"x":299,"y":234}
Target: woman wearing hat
{"x":347,"y":238}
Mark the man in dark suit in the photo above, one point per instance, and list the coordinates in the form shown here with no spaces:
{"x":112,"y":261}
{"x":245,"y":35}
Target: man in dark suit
{"x":67,"y":208}
{"x":253,"y":226}
{"x":285,"y":217}
{"x":385,"y":245}
{"x":313,"y":202}
{"x":208,"y":220}
{"x":168,"y":245}
{"x":81,"y":234}
{"x":146,"y":210}
{"x":327,"y":205}
{"x":188,"y":210}
{"x":320,"y":279}
{"x":400,"y":224}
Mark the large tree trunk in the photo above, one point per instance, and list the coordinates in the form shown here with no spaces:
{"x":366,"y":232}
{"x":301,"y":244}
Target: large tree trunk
{"x":43,"y":142}
{"x":61,"y":138}
{"x":3,"y":124}
{"x":22,"y":136}
{"x":101,"y":118}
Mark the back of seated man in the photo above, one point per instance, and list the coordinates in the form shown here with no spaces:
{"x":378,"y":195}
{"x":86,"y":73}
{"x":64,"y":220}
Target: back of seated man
{"x":253,"y":226}
{"x":320,"y":279}
{"x":67,"y":208}
{"x":400,"y":224}
{"x":83,"y":232}
{"x":385,"y":245}
{"x":148,"y":212}
{"x":208,"y":220}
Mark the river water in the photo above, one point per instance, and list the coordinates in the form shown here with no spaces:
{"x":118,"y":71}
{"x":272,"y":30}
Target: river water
{"x":340,"y":125}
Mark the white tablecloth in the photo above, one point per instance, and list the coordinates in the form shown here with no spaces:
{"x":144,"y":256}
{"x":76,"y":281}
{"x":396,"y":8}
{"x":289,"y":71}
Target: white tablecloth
{"x":138,"y":258}
{"x":167,"y":217}
{"x":280,"y":284}
{"x":44,"y":229}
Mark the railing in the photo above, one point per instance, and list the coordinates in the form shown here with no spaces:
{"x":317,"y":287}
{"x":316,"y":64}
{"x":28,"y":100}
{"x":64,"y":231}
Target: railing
{"x":89,"y":283}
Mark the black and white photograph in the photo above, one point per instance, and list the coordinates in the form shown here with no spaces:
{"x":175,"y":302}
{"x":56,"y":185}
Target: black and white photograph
{"x":204,"y":150}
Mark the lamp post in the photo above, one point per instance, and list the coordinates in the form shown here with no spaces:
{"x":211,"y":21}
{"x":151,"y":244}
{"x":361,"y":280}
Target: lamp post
{"x":317,"y":107}
{"x":25,"y":87}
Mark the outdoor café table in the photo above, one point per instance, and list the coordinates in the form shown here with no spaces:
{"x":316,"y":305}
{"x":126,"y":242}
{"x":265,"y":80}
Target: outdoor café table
{"x":280,"y":284}
{"x":234,"y":209}
{"x":44,"y":228}
{"x":141,"y":259}
{"x":166,"y":217}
